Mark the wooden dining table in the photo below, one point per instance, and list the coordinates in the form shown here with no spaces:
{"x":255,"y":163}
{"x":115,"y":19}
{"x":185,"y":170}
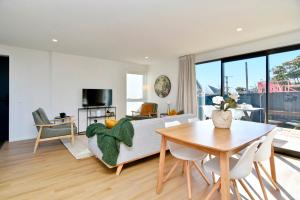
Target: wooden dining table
{"x":219,"y":142}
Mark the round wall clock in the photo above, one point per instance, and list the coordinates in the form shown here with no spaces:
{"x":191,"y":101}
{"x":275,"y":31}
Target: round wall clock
{"x":162,"y":86}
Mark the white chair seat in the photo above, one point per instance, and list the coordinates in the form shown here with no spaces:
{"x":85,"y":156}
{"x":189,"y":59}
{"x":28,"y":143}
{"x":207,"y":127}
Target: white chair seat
{"x":184,"y":153}
{"x":213,"y":165}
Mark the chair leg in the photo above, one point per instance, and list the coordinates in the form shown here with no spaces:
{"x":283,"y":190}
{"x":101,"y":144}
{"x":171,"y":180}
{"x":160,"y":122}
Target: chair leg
{"x":37,"y":140}
{"x":201,"y":172}
{"x":246,"y":189}
{"x":119,"y":169}
{"x":72,"y":139}
{"x":36,"y":145}
{"x":171,"y":171}
{"x":268,"y":175}
{"x":188,"y":178}
{"x":183,"y":167}
{"x":213,"y":190}
{"x":260,"y":181}
{"x":236,"y":190}
{"x":72,"y":134}
{"x":212,"y":173}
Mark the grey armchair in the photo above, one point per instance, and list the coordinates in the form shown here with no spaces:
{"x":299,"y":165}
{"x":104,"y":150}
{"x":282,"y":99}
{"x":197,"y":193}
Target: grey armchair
{"x":52,"y":131}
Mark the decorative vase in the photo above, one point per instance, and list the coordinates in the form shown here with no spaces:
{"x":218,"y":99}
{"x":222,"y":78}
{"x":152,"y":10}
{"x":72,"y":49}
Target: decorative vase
{"x":221,"y":118}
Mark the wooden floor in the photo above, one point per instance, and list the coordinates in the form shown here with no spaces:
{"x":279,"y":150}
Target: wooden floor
{"x":54,"y":174}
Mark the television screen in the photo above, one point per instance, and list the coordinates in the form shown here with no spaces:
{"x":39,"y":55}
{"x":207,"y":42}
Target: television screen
{"x":96,"y":97}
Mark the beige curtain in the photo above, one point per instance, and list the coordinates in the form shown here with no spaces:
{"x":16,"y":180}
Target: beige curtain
{"x":186,"y":96}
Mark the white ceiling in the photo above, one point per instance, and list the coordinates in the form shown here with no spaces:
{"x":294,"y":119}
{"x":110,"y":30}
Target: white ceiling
{"x":129,"y":30}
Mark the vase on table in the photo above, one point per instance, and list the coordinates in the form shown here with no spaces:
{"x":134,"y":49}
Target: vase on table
{"x":221,"y":118}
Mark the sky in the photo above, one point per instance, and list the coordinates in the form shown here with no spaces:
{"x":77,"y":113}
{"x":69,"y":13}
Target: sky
{"x":210,"y":73}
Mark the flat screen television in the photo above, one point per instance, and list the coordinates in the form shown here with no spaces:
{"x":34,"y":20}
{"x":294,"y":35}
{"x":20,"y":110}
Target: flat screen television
{"x":96,"y":97}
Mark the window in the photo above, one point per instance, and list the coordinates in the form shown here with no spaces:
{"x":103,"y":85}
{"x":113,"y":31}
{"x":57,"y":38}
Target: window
{"x":207,"y":87}
{"x":268,"y":83}
{"x":284,"y":89}
{"x":135,"y":92}
{"x":247,"y":77}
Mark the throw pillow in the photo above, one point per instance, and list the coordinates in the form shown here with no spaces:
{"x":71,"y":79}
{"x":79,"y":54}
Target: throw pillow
{"x":109,"y":123}
{"x":172,"y":112}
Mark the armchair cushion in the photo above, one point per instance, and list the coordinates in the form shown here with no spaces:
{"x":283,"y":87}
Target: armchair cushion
{"x":43,"y":116}
{"x":58,"y":130}
{"x":37,"y":118}
{"x":148,"y":109}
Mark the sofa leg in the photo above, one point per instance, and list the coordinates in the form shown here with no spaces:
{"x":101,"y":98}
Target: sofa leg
{"x":119,"y":169}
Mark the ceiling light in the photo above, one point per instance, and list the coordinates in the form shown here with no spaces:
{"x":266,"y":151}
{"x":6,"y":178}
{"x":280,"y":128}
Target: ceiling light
{"x":146,"y":57}
{"x":54,"y":40}
{"x":239,"y":29}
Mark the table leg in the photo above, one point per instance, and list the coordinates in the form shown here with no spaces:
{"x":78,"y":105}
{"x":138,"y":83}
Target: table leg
{"x":160,"y":176}
{"x":225,"y":182}
{"x":272,"y":165}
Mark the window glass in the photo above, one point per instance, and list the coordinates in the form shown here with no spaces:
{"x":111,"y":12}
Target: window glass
{"x":247,"y":77}
{"x":208,"y":77}
{"x":284,"y":89}
{"x":135,"y":92}
{"x":135,"y":83}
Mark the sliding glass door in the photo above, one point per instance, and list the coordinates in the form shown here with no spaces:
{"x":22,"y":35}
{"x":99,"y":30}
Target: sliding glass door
{"x":284,"y":89}
{"x":247,"y":77}
{"x":268,"y":83}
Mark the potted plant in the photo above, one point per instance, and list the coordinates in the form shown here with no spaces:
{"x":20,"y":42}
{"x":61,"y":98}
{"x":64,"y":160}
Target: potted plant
{"x":222,"y":116}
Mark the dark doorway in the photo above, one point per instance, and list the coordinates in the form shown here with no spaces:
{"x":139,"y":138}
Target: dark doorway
{"x":4,"y":98}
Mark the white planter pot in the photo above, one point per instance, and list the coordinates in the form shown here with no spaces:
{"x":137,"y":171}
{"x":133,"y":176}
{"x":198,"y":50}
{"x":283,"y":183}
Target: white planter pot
{"x":222,"y":119}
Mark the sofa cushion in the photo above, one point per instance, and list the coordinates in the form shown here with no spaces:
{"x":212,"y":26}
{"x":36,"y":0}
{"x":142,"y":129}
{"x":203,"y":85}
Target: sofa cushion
{"x":181,"y":118}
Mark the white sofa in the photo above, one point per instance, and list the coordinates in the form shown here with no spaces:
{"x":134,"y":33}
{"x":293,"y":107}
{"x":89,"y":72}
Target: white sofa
{"x":146,"y":141}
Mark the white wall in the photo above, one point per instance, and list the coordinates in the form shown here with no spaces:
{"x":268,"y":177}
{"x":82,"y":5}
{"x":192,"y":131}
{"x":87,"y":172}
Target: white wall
{"x":54,"y":81}
{"x":262,"y":44}
{"x":29,"y":87}
{"x":170,"y":69}
{"x":72,"y":73}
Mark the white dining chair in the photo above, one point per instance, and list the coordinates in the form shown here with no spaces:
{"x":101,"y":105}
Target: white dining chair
{"x":188,"y":156}
{"x":210,"y":156}
{"x":238,"y":169}
{"x":264,"y":153}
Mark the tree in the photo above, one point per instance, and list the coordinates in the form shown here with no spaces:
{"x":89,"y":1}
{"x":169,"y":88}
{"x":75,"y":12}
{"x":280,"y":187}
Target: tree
{"x":288,"y":71}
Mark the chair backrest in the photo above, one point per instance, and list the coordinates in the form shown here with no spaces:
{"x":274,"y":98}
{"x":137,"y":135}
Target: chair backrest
{"x":173,"y":146}
{"x":264,"y":150}
{"x":40,"y":117}
{"x":244,"y":165}
{"x":148,"y":108}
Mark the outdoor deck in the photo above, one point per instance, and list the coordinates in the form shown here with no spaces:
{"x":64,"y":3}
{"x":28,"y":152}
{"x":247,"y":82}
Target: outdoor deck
{"x":288,"y":141}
